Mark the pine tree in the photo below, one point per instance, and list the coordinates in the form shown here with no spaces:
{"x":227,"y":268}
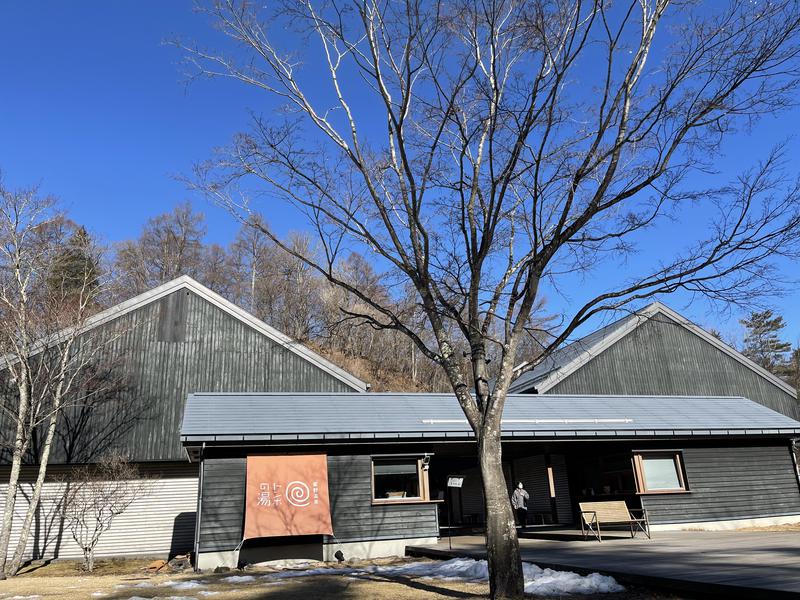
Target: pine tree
{"x":762,"y":342}
{"x":75,"y":267}
{"x":792,"y":372}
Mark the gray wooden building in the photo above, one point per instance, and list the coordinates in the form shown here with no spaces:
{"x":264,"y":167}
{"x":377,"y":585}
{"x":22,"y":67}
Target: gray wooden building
{"x":151,"y":352}
{"x":667,"y":391}
{"x":719,"y":461}
{"x":254,"y":392}
{"x":656,"y":351}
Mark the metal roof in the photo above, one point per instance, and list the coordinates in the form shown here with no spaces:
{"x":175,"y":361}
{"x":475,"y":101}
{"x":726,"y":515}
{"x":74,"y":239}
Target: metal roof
{"x":567,"y":359}
{"x":210,"y":417}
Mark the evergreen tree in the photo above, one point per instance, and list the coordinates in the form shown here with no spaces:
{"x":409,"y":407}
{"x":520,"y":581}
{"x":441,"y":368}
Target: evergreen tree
{"x":762,"y":342}
{"x":792,"y":371}
{"x":75,"y":267}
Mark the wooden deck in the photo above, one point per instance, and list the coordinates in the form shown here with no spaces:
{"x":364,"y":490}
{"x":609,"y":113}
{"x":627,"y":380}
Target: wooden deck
{"x":728,"y":564}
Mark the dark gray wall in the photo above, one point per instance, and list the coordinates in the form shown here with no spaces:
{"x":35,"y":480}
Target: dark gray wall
{"x":661,"y":357}
{"x":356,"y":518}
{"x":730,"y":483}
{"x":353,"y":515}
{"x":222,"y":504}
{"x":150,"y":360}
{"x":532,"y":472}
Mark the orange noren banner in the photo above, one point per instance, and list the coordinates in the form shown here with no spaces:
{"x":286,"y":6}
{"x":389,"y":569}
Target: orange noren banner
{"x":287,"y":495}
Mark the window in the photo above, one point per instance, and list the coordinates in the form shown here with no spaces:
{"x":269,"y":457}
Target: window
{"x":659,"y":473}
{"x":399,"y":479}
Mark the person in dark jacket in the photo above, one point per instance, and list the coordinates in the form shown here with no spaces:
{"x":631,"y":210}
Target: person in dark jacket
{"x":519,"y":501}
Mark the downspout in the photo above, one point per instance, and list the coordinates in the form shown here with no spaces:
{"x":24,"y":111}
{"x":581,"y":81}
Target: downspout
{"x":794,"y":450}
{"x":199,"y":507}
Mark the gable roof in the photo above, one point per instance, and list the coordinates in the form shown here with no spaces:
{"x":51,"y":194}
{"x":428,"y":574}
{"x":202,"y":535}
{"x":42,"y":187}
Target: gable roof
{"x":566,"y":360}
{"x":292,"y":417}
{"x":186,"y":282}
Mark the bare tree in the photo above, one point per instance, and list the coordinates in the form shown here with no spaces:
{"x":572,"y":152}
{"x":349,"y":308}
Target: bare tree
{"x":94,"y":495}
{"x":170,"y":245}
{"x":482,"y":152}
{"x":42,"y":357}
{"x":250,"y":253}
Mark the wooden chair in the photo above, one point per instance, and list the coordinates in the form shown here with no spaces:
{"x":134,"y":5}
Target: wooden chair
{"x":616,"y":512}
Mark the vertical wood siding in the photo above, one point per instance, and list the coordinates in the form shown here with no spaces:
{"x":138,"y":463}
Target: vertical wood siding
{"x":532,"y":472}
{"x":561,"y":481}
{"x":222,"y":505}
{"x":730,"y":483}
{"x":158,"y":524}
{"x":353,"y":515}
{"x":662,"y":358}
{"x":472,"y":497}
{"x":157,"y":355}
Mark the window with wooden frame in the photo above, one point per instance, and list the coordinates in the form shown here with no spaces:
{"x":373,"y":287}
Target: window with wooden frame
{"x":399,"y":479}
{"x":659,"y":472}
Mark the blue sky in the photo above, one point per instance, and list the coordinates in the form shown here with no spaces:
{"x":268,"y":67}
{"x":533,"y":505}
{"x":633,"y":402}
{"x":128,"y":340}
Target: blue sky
{"x":94,"y":107}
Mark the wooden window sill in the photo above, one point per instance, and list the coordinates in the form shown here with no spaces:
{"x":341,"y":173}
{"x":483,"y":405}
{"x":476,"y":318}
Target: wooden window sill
{"x":662,"y":493}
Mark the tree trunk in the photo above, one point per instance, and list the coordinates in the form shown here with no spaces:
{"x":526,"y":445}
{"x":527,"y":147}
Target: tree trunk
{"x":502,"y":546}
{"x":13,"y":479}
{"x":36,"y":495}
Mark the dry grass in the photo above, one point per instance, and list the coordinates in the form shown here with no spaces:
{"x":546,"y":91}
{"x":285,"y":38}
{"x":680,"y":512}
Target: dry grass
{"x":122,"y":580}
{"x":103,"y":566}
{"x":788,"y":527}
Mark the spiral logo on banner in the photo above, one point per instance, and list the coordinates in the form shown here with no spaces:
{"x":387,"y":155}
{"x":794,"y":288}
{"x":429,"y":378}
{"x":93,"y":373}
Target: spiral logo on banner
{"x":287,"y":494}
{"x":298,"y":494}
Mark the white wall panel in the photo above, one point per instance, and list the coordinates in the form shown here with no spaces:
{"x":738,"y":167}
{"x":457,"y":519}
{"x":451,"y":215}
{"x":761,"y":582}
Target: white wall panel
{"x":155,"y":524}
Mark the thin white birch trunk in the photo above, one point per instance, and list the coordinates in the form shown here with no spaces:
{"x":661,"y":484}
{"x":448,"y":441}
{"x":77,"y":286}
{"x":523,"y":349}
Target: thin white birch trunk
{"x":20,"y":446}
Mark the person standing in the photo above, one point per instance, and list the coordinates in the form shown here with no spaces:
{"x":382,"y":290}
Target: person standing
{"x":519,"y":501}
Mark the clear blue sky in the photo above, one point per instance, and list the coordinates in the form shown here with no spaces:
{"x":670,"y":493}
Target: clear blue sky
{"x":93,"y":107}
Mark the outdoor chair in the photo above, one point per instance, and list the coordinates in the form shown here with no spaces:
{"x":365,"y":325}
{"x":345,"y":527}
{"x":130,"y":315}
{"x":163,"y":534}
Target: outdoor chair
{"x":611,"y":513}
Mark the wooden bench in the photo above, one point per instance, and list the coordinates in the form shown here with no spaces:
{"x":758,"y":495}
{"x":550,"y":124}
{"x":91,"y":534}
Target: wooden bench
{"x":616,"y":512}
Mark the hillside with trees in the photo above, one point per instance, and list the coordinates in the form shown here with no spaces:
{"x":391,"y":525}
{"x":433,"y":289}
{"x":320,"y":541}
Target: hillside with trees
{"x":254,"y":273}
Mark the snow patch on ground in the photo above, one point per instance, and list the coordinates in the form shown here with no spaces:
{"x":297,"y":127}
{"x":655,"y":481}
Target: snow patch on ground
{"x":239,"y":579}
{"x":164,"y":598}
{"x":311,"y":572}
{"x":545,"y":582}
{"x":288,"y":563}
{"x":191,"y":584}
{"x":457,"y":569}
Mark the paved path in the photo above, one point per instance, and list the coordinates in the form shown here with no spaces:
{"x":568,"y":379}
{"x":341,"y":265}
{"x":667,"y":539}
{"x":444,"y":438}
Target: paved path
{"x":729,"y":564}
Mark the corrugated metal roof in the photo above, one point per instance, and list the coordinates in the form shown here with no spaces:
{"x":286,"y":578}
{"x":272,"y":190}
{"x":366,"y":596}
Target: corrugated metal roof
{"x":312,"y":416}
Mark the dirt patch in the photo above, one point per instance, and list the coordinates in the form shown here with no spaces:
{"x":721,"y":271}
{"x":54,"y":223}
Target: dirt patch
{"x":125,"y":579}
{"x":66,"y":568}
